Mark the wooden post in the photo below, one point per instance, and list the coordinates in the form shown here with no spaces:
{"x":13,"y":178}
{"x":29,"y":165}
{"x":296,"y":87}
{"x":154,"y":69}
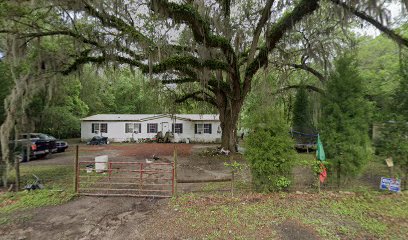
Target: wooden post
{"x":175,"y":172}
{"x":141,"y":177}
{"x":390,"y":172}
{"x":232,"y":183}
{"x":231,"y":158}
{"x":28,"y":147}
{"x":76,"y":167}
{"x":17,"y":167}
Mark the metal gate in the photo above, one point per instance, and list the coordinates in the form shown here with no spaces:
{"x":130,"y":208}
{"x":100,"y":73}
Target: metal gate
{"x":136,"y":179}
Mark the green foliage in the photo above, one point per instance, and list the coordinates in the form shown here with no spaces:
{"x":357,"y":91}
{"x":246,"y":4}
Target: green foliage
{"x":393,"y":141}
{"x":282,"y":183}
{"x":58,"y":183}
{"x":34,"y":199}
{"x":59,"y":115}
{"x":121,"y":91}
{"x":345,"y":119}
{"x":380,"y":70}
{"x":400,"y":98}
{"x":60,"y":122}
{"x":133,"y":93}
{"x":270,"y":152}
{"x":260,"y":99}
{"x":234,"y":166}
{"x":97,"y":91}
{"x":302,"y":119}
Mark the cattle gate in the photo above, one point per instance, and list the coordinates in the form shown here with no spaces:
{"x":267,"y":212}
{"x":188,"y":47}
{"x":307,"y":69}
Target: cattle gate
{"x":125,"y":178}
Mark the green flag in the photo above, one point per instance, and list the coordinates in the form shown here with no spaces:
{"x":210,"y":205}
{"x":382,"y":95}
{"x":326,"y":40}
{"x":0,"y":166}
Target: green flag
{"x":320,"y":151}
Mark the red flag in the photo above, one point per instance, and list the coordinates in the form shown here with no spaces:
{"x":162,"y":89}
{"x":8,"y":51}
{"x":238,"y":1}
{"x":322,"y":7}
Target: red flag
{"x":323,"y":173}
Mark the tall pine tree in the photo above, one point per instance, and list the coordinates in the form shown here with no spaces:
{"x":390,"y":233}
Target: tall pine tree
{"x":345,"y":120}
{"x":302,"y":118}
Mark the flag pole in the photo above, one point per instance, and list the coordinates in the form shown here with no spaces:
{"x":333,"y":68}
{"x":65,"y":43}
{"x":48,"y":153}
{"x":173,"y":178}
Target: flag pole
{"x":318,"y":178}
{"x":320,"y":156}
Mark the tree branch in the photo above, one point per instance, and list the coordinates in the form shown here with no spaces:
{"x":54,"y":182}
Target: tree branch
{"x":266,"y":12}
{"x":310,"y":87}
{"x":175,"y":61}
{"x":186,"y":13}
{"x":302,"y":9}
{"x":389,"y":32}
{"x":179,"y":80}
{"x":195,"y":96}
{"x":117,"y":23}
{"x":310,"y":70}
{"x":85,"y":58}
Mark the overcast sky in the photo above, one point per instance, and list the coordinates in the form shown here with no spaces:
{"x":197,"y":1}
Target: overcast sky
{"x":396,"y":14}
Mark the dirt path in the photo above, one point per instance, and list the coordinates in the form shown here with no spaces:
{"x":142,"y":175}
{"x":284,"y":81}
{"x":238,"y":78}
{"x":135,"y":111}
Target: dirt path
{"x":86,"y":218}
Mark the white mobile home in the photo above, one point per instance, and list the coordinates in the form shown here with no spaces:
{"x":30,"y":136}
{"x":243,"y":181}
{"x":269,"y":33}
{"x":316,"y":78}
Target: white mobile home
{"x":125,"y":127}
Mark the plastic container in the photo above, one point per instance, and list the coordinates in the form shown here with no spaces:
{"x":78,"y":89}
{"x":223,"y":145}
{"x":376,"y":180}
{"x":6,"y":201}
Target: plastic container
{"x":101,"y":163}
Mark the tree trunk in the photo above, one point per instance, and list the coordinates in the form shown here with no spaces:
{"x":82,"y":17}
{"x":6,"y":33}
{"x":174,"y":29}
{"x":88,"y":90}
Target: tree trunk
{"x":229,"y":115}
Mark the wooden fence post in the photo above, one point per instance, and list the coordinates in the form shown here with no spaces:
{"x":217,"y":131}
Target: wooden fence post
{"x":232,"y":183}
{"x":231,"y":158}
{"x":76,"y":168}
{"x":175,"y":171}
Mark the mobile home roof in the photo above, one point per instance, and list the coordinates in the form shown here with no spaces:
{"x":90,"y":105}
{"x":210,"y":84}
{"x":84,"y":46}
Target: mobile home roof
{"x":145,"y":117}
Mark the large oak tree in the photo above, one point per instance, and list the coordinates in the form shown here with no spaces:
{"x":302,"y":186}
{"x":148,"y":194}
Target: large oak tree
{"x":216,"y":47}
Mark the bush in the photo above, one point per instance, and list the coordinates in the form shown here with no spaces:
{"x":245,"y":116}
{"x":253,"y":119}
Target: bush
{"x":270,"y":152}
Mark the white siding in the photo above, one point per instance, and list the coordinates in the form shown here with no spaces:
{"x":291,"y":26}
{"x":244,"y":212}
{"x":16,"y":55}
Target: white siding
{"x":116,"y":130}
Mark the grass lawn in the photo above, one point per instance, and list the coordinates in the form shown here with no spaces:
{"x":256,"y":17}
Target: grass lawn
{"x":365,"y":215}
{"x":58,"y":182}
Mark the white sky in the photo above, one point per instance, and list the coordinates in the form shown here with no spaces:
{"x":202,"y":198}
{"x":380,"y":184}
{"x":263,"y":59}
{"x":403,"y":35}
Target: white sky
{"x":396,"y":14}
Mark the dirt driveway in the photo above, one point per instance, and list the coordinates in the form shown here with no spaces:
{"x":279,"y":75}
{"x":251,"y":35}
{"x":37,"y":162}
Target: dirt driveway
{"x":86,"y":218}
{"x":111,"y":217}
{"x":117,"y":152}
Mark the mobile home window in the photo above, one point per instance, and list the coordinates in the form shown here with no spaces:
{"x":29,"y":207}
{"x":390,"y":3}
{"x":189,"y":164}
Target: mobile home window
{"x":104,"y":127}
{"x":177,"y":128}
{"x":203,"y":128}
{"x":95,"y":127}
{"x":99,"y":127}
{"x":152,"y":128}
{"x":207,"y":128}
{"x":133,"y":128}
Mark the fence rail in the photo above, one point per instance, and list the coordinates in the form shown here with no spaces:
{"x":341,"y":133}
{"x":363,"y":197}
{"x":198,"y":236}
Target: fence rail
{"x":120,"y":178}
{"x":132,"y":178}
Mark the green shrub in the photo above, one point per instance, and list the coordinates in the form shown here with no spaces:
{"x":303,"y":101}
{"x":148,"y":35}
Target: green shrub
{"x":270,"y":152}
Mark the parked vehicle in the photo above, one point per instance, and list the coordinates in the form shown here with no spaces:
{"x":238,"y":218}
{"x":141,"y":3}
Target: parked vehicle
{"x":98,"y":140}
{"x":40,"y":145}
{"x":60,"y":144}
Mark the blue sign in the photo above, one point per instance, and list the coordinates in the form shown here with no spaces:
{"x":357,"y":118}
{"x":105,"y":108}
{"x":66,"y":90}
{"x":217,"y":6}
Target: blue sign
{"x":391,"y":184}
